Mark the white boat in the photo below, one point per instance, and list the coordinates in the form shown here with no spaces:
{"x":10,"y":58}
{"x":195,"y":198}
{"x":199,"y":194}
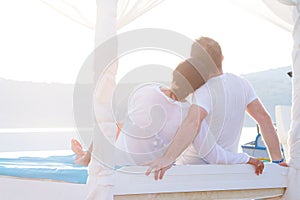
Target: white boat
{"x":256,"y":148}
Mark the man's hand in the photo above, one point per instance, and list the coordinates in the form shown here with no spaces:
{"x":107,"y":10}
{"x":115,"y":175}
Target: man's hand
{"x":159,"y":166}
{"x":258,"y":164}
{"x":283,"y":164}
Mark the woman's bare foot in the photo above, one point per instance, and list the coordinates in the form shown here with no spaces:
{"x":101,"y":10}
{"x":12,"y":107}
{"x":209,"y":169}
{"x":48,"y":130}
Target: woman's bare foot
{"x":82,"y":157}
{"x":76,"y":147}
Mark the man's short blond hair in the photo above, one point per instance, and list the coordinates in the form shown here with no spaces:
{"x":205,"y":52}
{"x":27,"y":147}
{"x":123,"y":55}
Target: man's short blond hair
{"x":213,"y":49}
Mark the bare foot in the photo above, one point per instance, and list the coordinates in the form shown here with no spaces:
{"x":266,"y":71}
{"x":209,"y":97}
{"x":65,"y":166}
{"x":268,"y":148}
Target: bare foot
{"x":82,"y":157}
{"x":76,"y":147}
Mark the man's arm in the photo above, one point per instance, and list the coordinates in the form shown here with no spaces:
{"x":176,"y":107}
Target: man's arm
{"x":215,"y":154}
{"x":206,"y":147}
{"x":218,"y":155}
{"x":262,"y":117}
{"x":183,"y":138}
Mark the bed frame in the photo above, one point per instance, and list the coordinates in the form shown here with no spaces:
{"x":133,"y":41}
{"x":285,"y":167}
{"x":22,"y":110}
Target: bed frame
{"x":180,"y":182}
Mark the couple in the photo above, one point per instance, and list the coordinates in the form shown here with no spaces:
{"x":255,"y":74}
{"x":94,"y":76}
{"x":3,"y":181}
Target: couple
{"x":163,"y":127}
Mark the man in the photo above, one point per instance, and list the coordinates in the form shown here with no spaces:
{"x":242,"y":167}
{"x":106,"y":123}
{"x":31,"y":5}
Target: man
{"x":222,"y":102}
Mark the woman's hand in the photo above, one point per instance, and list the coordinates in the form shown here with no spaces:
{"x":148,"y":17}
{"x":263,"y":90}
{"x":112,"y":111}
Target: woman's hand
{"x":159,"y":166}
{"x":258,"y":164}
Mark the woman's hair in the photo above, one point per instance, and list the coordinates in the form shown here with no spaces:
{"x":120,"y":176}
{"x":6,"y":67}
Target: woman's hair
{"x":186,"y":79}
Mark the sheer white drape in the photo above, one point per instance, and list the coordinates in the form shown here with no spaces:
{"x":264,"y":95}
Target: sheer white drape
{"x":293,"y":191}
{"x":269,"y":10}
{"x":129,"y":10}
{"x":283,"y":11}
{"x":101,"y":177}
{"x":84,"y":12}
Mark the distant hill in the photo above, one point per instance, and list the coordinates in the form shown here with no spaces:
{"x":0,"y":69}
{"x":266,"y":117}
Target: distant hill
{"x":42,"y":105}
{"x":273,"y":87}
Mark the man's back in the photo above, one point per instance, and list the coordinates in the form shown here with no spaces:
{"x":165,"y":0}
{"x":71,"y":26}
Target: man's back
{"x":225,"y":99}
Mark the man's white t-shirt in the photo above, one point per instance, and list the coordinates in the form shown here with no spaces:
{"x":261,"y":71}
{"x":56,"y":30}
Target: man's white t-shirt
{"x":151,"y":124}
{"x":225,"y":99}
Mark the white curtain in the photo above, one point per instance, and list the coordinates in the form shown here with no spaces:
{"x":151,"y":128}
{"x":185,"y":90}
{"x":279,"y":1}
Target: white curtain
{"x":101,"y":177}
{"x":283,"y":11}
{"x":84,"y":12}
{"x":129,"y":10}
{"x":270,"y":10}
{"x":293,"y":191}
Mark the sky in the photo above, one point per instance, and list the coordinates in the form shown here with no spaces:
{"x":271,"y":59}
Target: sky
{"x":40,"y":45}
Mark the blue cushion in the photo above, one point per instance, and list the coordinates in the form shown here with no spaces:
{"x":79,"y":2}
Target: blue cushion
{"x":61,"y":168}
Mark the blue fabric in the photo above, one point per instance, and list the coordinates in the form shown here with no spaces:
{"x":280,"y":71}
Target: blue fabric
{"x":61,"y":168}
